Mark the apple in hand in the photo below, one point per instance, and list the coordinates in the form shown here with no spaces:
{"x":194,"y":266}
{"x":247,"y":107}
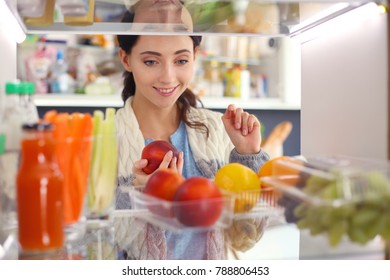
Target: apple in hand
{"x":198,"y":202}
{"x":163,"y":184}
{"x":154,"y":152}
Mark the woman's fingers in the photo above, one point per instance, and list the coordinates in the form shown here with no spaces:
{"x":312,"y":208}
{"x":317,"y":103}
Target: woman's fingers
{"x":138,"y":165}
{"x":172,"y":162}
{"x":245,"y":123}
{"x":229,"y":112}
{"x":238,"y":118}
{"x":140,"y":176}
{"x":253,"y":123}
{"x":166,"y":160}
{"x":180,"y":163}
{"x":169,"y":161}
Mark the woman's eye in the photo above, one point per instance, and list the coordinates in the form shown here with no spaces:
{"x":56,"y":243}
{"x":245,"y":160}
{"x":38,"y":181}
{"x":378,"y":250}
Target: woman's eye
{"x":182,"y":61}
{"x":150,"y":62}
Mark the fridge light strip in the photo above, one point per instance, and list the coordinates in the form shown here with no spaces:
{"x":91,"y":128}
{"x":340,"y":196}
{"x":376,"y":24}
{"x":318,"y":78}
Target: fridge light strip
{"x":360,"y":13}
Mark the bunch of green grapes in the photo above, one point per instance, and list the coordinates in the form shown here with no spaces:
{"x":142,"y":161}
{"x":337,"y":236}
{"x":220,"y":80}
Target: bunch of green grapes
{"x":289,"y":202}
{"x":358,"y":208}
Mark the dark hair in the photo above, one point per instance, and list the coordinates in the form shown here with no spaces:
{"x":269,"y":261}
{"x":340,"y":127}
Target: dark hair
{"x":186,"y":100}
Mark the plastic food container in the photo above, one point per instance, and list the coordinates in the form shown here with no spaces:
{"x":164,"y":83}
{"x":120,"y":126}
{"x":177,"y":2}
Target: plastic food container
{"x":179,"y":216}
{"x":256,"y":204}
{"x":204,"y":215}
{"x":335,"y":195}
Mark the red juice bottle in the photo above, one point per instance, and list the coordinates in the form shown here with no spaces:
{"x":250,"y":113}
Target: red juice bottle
{"x":39,"y":191}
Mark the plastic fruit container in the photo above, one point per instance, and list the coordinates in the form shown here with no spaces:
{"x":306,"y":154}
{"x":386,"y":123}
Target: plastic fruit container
{"x":335,"y":195}
{"x":164,"y":213}
{"x":256,"y":204}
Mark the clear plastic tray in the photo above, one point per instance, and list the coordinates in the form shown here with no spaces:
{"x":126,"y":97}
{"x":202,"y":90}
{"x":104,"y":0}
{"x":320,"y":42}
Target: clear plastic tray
{"x":264,"y":201}
{"x":162,"y":213}
{"x":335,"y":195}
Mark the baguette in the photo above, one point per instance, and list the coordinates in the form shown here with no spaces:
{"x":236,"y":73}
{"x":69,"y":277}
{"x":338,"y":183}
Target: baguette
{"x":273,"y":144}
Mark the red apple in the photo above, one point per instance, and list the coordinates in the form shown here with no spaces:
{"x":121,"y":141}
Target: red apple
{"x":198,"y":202}
{"x":163,"y":185}
{"x":154,"y":152}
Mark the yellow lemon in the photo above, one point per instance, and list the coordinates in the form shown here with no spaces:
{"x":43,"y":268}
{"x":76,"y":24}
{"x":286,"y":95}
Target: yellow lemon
{"x":243,"y":182}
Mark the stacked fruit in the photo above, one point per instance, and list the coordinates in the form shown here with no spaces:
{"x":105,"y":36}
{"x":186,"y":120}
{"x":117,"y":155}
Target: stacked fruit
{"x":198,"y":201}
{"x":194,"y":202}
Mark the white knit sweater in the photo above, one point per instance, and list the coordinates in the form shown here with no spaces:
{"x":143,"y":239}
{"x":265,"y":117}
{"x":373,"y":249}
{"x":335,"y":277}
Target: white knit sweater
{"x":140,"y":239}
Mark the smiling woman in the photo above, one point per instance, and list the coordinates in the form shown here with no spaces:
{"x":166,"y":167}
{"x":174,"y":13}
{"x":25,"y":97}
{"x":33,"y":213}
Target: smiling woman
{"x":158,"y":105}
{"x":163,"y":73}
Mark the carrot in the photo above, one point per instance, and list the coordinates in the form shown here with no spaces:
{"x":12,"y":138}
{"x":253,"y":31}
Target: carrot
{"x":50,"y":116}
{"x":73,"y":134}
{"x":81,"y":130}
{"x":78,"y":189}
{"x":61,"y":134}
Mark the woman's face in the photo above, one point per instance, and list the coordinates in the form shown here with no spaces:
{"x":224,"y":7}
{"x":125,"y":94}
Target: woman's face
{"x":162,"y":67}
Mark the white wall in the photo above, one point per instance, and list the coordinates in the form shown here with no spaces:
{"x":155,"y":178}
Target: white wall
{"x":344,"y":91}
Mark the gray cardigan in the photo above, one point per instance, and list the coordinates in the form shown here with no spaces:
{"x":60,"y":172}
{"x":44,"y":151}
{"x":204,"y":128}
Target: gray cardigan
{"x":142,"y":240}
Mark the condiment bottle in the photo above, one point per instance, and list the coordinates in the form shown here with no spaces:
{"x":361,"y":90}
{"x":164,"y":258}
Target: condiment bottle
{"x":39,"y":191}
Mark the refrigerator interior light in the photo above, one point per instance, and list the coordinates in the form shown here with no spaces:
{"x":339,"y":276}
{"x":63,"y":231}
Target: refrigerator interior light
{"x":319,"y":16}
{"x":344,"y":20}
{"x":10,"y":23}
{"x":382,"y":9}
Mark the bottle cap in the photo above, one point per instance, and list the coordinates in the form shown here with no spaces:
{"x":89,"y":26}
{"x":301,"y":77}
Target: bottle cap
{"x":2,"y":143}
{"x":12,"y":87}
{"x":60,"y":55}
{"x":27,"y":88}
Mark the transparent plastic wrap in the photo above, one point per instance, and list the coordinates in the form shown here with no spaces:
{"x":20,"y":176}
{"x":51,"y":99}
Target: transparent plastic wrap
{"x":338,"y":196}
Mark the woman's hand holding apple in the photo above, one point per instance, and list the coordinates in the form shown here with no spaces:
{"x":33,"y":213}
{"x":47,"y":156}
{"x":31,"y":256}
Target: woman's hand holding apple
{"x":169,"y":161}
{"x":243,"y":129}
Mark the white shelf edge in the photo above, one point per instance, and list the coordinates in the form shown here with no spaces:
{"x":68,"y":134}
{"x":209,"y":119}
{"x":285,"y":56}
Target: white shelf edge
{"x":249,"y":104}
{"x":79,"y":100}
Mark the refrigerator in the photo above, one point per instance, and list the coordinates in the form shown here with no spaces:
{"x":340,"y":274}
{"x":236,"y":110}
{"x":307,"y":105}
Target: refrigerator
{"x":344,"y":84}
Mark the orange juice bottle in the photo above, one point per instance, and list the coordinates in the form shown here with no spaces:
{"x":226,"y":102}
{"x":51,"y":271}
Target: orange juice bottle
{"x":39,"y":191}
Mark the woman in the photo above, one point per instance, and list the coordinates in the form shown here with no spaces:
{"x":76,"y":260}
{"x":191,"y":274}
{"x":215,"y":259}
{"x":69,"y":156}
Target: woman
{"x":159,"y":106}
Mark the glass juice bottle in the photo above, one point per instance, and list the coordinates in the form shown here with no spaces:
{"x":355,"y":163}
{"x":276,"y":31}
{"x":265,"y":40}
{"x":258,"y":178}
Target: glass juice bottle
{"x":39,"y":191}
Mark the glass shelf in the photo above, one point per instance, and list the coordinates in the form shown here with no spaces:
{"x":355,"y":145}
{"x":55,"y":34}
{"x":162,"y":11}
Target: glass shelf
{"x":82,"y":100}
{"x":280,"y":241}
{"x":203,"y":17}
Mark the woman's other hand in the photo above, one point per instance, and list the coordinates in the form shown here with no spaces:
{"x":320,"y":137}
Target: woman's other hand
{"x":243,"y":129}
{"x":168,"y":162}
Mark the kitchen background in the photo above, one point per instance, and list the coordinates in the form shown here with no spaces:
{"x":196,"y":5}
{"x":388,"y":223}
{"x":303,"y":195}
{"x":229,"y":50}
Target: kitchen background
{"x":83,"y":72}
{"x":340,"y":69}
